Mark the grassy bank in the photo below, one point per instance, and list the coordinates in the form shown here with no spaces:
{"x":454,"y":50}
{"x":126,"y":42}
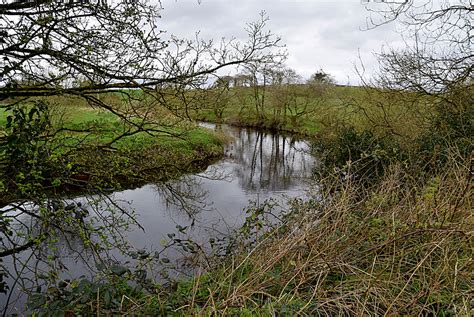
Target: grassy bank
{"x":401,"y":248}
{"x":96,"y":149}
{"x":150,"y":158}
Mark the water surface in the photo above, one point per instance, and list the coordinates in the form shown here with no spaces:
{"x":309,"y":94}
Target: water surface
{"x":256,"y":166}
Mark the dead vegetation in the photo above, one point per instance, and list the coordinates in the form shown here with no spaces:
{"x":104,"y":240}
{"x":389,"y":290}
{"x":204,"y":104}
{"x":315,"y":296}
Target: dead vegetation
{"x":402,"y":248}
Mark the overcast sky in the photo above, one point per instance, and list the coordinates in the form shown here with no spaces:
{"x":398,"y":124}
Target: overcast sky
{"x":319,"y":34}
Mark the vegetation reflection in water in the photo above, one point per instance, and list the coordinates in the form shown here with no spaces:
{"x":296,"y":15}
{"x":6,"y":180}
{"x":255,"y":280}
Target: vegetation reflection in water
{"x":165,"y":230}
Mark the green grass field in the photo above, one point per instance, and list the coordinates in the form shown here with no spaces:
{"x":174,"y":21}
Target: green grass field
{"x":118,"y":155}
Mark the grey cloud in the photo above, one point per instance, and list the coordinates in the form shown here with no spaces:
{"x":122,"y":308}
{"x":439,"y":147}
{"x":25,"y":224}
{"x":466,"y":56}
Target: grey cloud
{"x":318,"y":34}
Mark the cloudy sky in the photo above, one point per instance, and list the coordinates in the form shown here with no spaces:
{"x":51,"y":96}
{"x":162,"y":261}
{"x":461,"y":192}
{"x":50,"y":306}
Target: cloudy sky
{"x":318,"y":34}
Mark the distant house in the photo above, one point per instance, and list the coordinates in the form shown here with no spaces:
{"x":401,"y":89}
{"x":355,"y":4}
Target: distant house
{"x":239,"y":80}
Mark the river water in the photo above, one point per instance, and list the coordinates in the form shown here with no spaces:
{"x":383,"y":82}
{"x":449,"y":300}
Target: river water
{"x":256,"y":166}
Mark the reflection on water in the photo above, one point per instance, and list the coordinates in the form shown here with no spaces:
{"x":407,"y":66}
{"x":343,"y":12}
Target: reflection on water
{"x":268,"y":162}
{"x":256,"y":166}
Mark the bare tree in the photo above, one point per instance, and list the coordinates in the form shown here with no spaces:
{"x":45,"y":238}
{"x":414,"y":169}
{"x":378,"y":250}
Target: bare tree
{"x":438,"y":55}
{"x":286,"y":95}
{"x":97,"y":52}
{"x":428,"y":80}
{"x":113,"y":46}
{"x":88,"y":49}
{"x":263,"y":75}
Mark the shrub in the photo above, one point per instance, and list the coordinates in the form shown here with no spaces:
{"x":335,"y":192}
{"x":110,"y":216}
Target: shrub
{"x":28,"y":162}
{"x":450,"y":128}
{"x":360,"y":154}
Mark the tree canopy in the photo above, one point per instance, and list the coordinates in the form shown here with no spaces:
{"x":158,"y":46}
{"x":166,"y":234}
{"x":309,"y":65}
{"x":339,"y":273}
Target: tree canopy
{"x":112,"y":45}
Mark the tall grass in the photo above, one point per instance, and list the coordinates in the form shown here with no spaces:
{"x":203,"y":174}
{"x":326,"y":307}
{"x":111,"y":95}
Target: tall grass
{"x":402,"y":248}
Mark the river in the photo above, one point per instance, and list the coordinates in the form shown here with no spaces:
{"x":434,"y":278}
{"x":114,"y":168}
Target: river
{"x":256,"y":166}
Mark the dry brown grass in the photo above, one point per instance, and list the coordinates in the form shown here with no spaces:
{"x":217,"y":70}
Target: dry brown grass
{"x":403,"y":248}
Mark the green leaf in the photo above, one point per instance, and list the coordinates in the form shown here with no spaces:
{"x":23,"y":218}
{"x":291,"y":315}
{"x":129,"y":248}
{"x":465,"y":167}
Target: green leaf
{"x":107,"y":298}
{"x":119,"y":270}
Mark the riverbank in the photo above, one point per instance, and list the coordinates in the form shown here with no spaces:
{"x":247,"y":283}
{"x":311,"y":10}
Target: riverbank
{"x":388,"y":231}
{"x":143,"y":159}
{"x":396,"y":248}
{"x":403,"y":246}
{"x":93,"y":150}
{"x":320,"y":110}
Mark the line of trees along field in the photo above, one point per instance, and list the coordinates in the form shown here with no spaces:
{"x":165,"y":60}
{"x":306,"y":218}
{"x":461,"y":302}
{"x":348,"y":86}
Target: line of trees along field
{"x":270,"y":98}
{"x":388,"y":230}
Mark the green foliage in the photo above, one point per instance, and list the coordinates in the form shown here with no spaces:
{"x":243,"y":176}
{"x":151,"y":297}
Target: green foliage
{"x":75,"y":297}
{"x":365,"y":151}
{"x":321,"y":77}
{"x":450,"y":127}
{"x":59,"y":142}
{"x":27,"y":161}
{"x":258,"y":221}
{"x":359,"y":154}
